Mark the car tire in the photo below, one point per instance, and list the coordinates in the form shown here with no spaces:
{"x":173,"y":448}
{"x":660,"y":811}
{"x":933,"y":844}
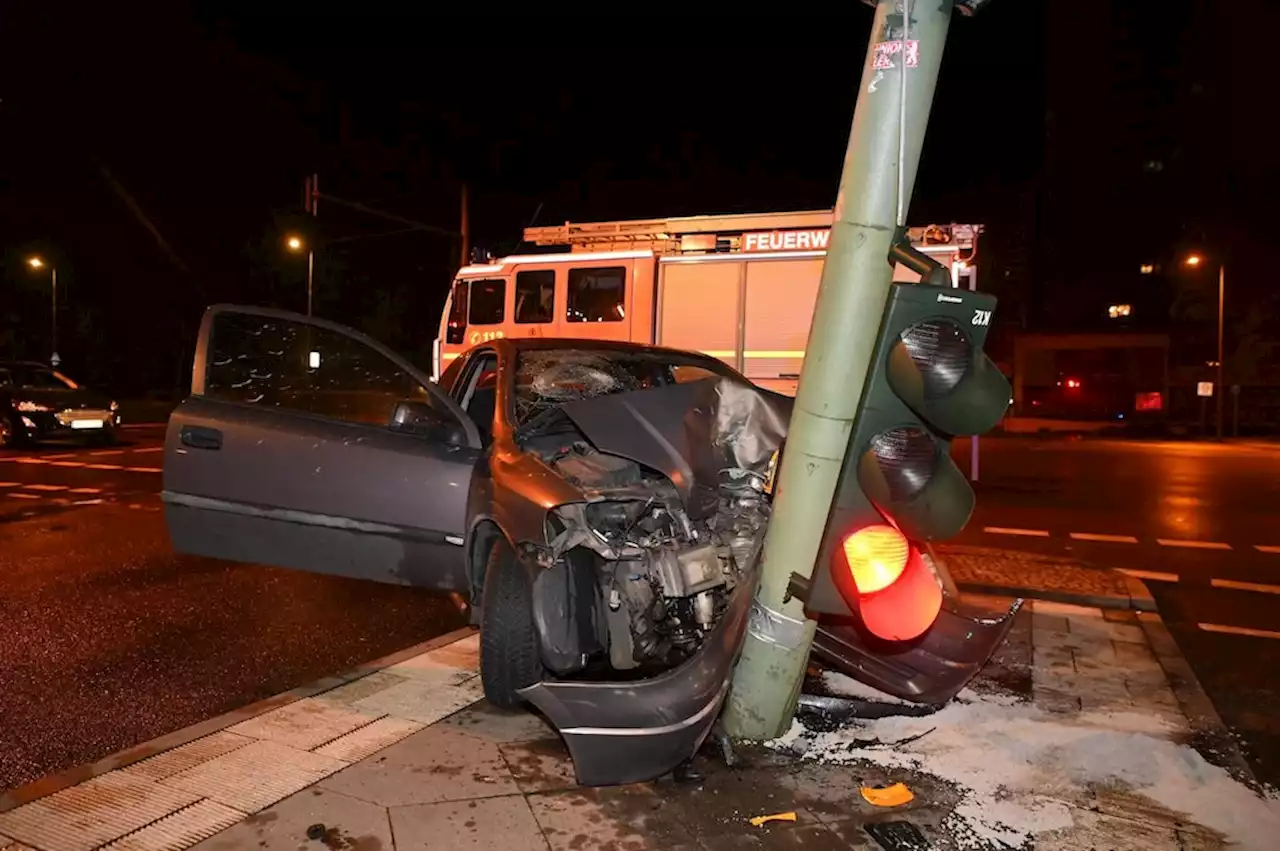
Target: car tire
{"x":11,"y":433}
{"x":509,"y":657}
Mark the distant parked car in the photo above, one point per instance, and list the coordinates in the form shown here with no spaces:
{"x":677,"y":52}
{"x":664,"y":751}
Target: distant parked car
{"x":38,"y":403}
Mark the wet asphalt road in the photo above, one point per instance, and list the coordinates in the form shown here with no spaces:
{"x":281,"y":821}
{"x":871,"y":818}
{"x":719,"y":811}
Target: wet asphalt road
{"x":107,"y":639}
{"x":1199,"y":521}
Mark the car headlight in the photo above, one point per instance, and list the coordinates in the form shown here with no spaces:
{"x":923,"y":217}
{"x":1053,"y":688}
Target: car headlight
{"x":33,"y":407}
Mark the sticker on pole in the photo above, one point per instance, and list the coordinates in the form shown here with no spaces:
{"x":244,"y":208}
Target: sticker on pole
{"x":1204,"y":388}
{"x":885,"y":51}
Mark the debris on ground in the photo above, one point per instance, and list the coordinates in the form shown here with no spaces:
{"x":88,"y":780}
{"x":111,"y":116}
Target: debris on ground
{"x":759,"y":821}
{"x":888,"y":796}
{"x":1019,"y":768}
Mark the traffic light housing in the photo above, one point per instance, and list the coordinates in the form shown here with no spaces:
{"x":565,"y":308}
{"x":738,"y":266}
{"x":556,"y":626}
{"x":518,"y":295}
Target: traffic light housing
{"x":929,"y":381}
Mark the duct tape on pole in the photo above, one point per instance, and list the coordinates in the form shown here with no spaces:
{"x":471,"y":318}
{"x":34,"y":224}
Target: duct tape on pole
{"x":856,"y":278}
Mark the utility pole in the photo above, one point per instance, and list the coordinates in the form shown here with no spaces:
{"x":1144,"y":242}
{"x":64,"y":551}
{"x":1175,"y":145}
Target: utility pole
{"x":879,"y":172}
{"x":465,"y":230}
{"x":313,"y":205}
{"x":1222,"y":292}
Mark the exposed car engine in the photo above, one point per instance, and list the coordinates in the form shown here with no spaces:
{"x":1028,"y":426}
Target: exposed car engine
{"x":664,"y":578}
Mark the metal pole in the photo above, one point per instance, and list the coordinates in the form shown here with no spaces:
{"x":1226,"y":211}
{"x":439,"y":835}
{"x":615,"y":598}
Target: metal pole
{"x":311,"y":255}
{"x":54,"y":271}
{"x":973,"y":447}
{"x":855,"y":281}
{"x":465,"y":230}
{"x":1222,"y":276}
{"x":313,"y":207}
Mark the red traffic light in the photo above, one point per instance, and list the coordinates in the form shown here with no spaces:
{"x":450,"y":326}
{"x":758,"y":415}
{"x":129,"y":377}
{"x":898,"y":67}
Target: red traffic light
{"x":898,"y":597}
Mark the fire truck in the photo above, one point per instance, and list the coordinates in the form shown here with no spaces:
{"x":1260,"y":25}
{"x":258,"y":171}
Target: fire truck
{"x":737,"y":287}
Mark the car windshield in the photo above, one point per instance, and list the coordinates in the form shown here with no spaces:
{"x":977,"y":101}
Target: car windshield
{"x":548,"y":378}
{"x":35,"y":377}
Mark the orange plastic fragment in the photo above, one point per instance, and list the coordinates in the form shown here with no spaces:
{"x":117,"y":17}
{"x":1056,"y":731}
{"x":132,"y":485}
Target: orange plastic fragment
{"x":889,"y":796}
{"x":759,"y":820}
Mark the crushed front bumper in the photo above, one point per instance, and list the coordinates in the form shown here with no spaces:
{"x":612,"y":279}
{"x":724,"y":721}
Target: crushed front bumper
{"x":628,"y":732}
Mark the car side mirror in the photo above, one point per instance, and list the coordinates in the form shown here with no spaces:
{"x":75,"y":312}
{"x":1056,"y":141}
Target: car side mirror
{"x":420,"y":418}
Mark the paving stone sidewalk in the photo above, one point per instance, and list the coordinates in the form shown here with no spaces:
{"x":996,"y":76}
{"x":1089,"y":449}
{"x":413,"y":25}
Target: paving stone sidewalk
{"x":989,"y":570}
{"x":411,"y":757}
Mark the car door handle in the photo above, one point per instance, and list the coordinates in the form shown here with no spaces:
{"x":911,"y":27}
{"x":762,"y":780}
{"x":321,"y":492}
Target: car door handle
{"x":201,"y":438}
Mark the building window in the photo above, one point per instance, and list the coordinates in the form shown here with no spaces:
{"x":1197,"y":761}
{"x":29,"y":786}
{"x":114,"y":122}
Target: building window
{"x":597,"y":295}
{"x":535,"y":296}
{"x":488,"y":301}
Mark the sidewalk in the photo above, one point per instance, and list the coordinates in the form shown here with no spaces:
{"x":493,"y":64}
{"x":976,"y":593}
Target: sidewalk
{"x":410,"y":757}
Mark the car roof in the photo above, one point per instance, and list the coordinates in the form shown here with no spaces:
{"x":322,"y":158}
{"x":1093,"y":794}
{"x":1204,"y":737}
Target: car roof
{"x":519,"y":344}
{"x":5,"y":364}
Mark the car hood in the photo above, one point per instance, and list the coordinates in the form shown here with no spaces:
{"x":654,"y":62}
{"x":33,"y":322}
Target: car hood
{"x":691,"y":433}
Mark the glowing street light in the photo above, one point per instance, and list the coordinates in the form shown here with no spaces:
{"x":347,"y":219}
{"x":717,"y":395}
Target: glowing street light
{"x":294,"y":243}
{"x":1194,"y":260}
{"x":38,"y":263}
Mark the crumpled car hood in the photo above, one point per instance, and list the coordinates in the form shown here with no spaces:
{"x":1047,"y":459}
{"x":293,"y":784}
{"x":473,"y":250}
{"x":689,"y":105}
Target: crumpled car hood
{"x":689,"y":432}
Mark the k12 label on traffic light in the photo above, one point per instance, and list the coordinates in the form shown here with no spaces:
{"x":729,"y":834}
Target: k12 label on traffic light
{"x":929,"y":380}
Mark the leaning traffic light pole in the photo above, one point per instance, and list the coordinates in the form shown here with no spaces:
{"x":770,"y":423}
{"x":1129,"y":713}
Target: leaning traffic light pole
{"x":850,"y":315}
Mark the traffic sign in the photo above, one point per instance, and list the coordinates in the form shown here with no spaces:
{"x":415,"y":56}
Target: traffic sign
{"x":1204,"y":388}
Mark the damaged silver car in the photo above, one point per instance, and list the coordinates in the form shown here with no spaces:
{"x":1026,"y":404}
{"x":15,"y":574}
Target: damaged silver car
{"x":600,"y":503}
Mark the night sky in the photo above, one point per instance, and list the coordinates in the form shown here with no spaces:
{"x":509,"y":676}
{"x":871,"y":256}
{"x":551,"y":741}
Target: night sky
{"x":157,"y":155}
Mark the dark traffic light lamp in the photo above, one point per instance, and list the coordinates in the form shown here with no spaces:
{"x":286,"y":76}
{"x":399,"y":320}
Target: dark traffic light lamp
{"x":929,"y":381}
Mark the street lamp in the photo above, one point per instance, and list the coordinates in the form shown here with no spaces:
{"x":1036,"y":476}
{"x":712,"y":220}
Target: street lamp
{"x":296,"y":244}
{"x":38,"y":263}
{"x":1194,"y":260}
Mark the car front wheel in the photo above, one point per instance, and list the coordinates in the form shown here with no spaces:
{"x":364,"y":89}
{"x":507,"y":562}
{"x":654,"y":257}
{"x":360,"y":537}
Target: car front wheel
{"x":10,"y":431}
{"x":509,"y":658}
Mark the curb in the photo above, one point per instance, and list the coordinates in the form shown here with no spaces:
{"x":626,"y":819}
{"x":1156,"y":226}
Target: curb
{"x":1211,"y":737}
{"x":1137,"y":598}
{"x":46,"y":786}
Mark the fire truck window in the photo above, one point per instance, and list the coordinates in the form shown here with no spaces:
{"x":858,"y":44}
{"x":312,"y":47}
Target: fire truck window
{"x":487,"y":301}
{"x":457,"y":330}
{"x":535,"y":296}
{"x":597,"y":295}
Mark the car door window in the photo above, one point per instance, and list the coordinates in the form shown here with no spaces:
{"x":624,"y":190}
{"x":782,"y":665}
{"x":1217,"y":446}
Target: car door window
{"x":293,"y":365}
{"x":597,"y":295}
{"x":479,"y":392}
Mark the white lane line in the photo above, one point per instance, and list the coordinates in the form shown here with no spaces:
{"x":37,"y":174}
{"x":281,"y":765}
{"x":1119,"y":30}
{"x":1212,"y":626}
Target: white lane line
{"x":1192,"y":545}
{"x":9,"y":484}
{"x":1110,"y":539}
{"x":1004,"y":530}
{"x":104,"y":467}
{"x":1266,"y":548}
{"x":144,"y":469}
{"x":1153,"y":575}
{"x":1237,"y":585}
{"x":150,"y":449}
{"x":86,"y":490}
{"x":46,"y":487}
{"x":107,"y":452}
{"x":61,"y":455}
{"x":1238,"y":630}
{"x":67,"y":464}
{"x":22,"y":496}
{"x":89,"y":502}
{"x":31,"y":460}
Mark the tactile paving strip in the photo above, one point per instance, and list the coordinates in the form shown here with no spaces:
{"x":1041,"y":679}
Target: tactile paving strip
{"x":180,"y":830}
{"x":256,"y":776}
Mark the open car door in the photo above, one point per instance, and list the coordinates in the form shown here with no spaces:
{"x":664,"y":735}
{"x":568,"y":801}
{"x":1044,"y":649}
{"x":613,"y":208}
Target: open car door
{"x":308,"y":445}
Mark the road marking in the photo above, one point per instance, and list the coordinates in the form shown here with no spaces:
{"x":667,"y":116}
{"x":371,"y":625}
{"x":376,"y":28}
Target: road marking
{"x":67,"y":464}
{"x":31,"y":460}
{"x":1238,"y":630}
{"x":1266,"y":548}
{"x":1112,"y":539}
{"x":104,"y":466}
{"x":144,"y":469}
{"x":86,"y":490}
{"x":89,"y":502}
{"x":46,"y":487}
{"x":1237,"y":585}
{"x":62,"y":455}
{"x":1153,"y":575}
{"x":107,"y":452}
{"x":22,"y":496}
{"x":1003,"y":530}
{"x":9,"y":484}
{"x":1192,"y":545}
{"x":150,"y":449}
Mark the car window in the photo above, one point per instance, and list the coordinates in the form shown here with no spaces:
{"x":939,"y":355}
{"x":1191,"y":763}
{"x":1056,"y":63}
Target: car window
{"x":39,"y":378}
{"x":535,"y":296}
{"x":488,"y":302}
{"x":479,"y":392}
{"x":597,"y":295}
{"x":292,"y":365}
{"x":548,"y":378}
{"x":685,"y":373}
{"x":457,"y":330}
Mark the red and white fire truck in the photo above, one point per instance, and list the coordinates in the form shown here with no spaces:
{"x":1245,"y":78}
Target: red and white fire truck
{"x":737,"y":287}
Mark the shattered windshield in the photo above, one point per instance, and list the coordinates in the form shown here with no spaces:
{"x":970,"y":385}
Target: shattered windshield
{"x":547,"y":379}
